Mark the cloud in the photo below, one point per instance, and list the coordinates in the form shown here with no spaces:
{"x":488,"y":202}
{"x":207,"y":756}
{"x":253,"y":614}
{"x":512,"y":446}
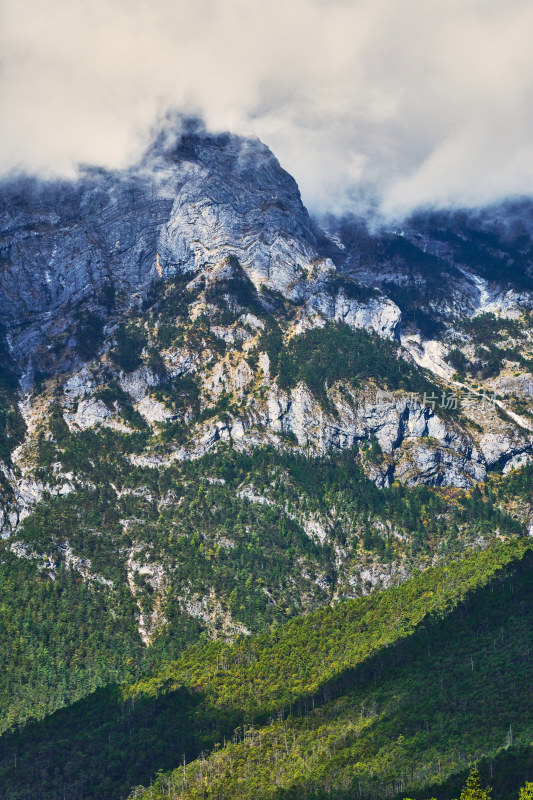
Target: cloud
{"x":368,"y":103}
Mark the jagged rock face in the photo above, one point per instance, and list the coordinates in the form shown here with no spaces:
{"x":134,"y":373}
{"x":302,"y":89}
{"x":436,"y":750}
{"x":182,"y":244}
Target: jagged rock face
{"x":205,"y":256}
{"x":236,"y":200}
{"x":115,"y":232}
{"x":379,"y":314}
{"x":73,"y":242}
{"x":419,"y":447}
{"x":442,"y":269}
{"x":444,"y":265}
{"x":66,"y":240}
{"x":219,"y":207}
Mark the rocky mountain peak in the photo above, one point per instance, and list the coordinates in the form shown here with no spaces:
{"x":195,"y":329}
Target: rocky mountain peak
{"x":194,"y":289}
{"x":72,"y":247}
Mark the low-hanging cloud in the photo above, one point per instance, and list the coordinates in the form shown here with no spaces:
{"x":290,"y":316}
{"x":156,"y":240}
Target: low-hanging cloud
{"x":368,"y":103}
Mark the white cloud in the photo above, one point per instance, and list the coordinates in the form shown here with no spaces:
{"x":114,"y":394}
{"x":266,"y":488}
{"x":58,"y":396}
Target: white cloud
{"x":405,"y":103}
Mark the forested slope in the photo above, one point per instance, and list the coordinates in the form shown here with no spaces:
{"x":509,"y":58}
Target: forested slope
{"x":241,"y":526}
{"x":217,"y":418}
{"x":390,"y":693}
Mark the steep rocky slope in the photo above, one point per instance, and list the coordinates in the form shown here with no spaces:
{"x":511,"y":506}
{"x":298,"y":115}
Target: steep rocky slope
{"x":80,"y":258}
{"x":217,"y":413}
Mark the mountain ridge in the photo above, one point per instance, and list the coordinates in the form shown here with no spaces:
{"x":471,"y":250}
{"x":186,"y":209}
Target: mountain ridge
{"x":218,"y":414}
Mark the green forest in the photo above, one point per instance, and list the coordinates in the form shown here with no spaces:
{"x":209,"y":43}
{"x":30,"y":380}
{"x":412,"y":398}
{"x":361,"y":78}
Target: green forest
{"x":63,"y":636}
{"x":396,"y":694}
{"x":260,"y":622}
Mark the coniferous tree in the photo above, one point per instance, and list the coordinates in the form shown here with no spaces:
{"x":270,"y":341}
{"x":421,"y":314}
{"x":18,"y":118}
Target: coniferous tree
{"x":473,"y":790}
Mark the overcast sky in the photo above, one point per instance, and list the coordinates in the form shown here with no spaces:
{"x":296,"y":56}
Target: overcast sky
{"x":398,"y":102}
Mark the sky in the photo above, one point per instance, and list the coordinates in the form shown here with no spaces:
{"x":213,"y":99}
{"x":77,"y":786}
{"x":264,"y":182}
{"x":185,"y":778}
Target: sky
{"x":378,"y":106}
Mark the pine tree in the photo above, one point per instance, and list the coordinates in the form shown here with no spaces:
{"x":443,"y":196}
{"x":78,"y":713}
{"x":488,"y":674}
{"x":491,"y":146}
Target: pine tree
{"x":473,"y":790}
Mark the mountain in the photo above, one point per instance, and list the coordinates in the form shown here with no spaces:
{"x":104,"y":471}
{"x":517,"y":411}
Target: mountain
{"x":218,"y":414}
{"x":377,"y":697}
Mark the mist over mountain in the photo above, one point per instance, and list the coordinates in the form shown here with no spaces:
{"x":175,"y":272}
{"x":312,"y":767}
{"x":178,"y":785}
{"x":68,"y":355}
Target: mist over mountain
{"x":89,"y":266}
{"x":266,"y":401}
{"x":377,"y":107}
